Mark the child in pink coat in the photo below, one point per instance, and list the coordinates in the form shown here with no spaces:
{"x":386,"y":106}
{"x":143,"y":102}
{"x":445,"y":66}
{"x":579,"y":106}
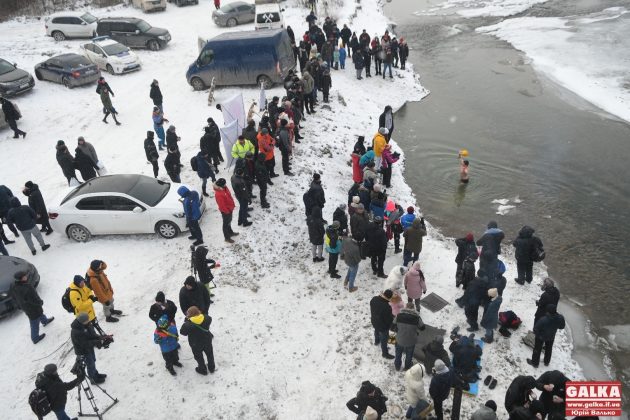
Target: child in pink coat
{"x":396,"y":303}
{"x":414,"y":284}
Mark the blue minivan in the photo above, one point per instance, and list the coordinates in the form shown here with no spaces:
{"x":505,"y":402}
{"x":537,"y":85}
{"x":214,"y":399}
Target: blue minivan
{"x":243,"y":58}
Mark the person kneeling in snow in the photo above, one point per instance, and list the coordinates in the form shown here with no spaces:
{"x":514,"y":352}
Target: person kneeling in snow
{"x":369,"y":396}
{"x":166,"y":336}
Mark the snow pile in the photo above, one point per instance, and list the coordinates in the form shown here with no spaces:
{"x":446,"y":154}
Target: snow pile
{"x":588,"y":55}
{"x":477,"y":8}
{"x":290,"y":342}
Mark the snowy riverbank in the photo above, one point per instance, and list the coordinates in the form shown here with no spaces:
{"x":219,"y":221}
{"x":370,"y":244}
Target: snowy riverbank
{"x":290,"y":342}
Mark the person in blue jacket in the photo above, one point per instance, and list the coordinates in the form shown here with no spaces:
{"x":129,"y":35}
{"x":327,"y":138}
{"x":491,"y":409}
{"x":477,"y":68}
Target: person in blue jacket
{"x":366,"y":158}
{"x":204,"y":170}
{"x":192,"y":210}
{"x":158,"y":126}
{"x":342,"y":58}
{"x":332,"y":243}
{"x":167,"y":337}
{"x":407,"y":219}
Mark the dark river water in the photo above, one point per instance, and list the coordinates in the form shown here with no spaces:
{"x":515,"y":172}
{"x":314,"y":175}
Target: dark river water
{"x":562,"y":163}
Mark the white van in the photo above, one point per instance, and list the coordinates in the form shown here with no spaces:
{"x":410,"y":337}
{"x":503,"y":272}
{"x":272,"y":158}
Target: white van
{"x":150,"y":5}
{"x":70,"y":25}
{"x":269,"y":16}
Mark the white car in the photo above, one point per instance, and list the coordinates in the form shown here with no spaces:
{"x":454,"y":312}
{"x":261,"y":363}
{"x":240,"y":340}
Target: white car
{"x":70,"y":25}
{"x":111,"y":56}
{"x":121,"y":204}
{"x":269,"y":16}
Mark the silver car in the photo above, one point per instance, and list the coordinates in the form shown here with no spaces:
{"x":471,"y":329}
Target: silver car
{"x":235,"y":13}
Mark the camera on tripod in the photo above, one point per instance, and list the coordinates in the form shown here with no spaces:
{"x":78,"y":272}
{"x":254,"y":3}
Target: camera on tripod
{"x":79,"y":366}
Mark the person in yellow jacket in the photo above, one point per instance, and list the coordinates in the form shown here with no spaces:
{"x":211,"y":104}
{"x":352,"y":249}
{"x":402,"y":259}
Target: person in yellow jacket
{"x":378,"y":145}
{"x":82,"y":298}
{"x":102,"y":288}
{"x":241,"y":147}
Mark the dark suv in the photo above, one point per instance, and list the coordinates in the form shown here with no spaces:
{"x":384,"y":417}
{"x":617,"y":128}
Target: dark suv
{"x":133,"y":32}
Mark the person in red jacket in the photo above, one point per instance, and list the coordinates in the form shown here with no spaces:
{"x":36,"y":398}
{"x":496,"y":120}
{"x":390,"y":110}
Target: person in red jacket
{"x":217,"y":4}
{"x":226,"y":207}
{"x":266,"y":145}
{"x":357,"y":173}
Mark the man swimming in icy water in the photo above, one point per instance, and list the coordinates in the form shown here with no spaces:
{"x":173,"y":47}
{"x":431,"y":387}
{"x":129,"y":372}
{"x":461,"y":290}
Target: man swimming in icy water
{"x":463,"y":169}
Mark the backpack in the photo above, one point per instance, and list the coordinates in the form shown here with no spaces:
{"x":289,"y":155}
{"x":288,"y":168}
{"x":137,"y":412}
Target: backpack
{"x":65,"y":301}
{"x":538,"y":253}
{"x":38,"y":400}
{"x":193,"y":163}
{"x":509,"y":319}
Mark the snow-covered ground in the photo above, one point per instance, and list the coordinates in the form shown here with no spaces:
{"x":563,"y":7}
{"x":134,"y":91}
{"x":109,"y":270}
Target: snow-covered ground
{"x":290,"y":343}
{"x":476,"y":8}
{"x":589,"y":55}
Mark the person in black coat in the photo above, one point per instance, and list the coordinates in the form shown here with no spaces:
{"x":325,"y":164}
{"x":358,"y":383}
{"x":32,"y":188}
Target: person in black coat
{"x":66,"y":162}
{"x":25,"y":220}
{"x":519,"y":392}
{"x":382,"y":318}
{"x":26,"y":298}
{"x":466,"y":250}
{"x":156,"y":94}
{"x":11,"y":115}
{"x":86,"y":166}
{"x":197,"y":327}
{"x":5,"y":204}
{"x":56,"y":389}
{"x":316,"y":193}
{"x":550,"y":296}
{"x":262,"y":179}
{"x":473,"y":297}
{"x":202,"y":266}
{"x":465,"y":356}
{"x":36,"y":202}
{"x":84,"y":339}
{"x":341,"y":216}
{"x":151,"y":152}
{"x":376,"y":239}
{"x":534,"y":411}
{"x":490,"y":243}
{"x":172,"y":138}
{"x":316,"y":230}
{"x":359,"y":146}
{"x":552,"y":385}
{"x":214,"y":143}
{"x":194,"y":293}
{"x":369,"y":395}
{"x":162,"y":306}
{"x":545,"y":331}
{"x":386,"y":119}
{"x":440,"y":387}
{"x":526,"y":245}
{"x":239,"y":186}
{"x":173,"y":165}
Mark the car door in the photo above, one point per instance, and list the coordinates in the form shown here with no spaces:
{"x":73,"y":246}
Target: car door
{"x":123,"y":217}
{"x":74,"y":26}
{"x":132,"y":39}
{"x":117,"y":32}
{"x":100,"y":58}
{"x":92,"y":213}
{"x":246,"y":13}
{"x":55,"y":71}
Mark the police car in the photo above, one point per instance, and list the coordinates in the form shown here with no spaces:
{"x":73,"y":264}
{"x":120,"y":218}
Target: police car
{"x":111,"y":56}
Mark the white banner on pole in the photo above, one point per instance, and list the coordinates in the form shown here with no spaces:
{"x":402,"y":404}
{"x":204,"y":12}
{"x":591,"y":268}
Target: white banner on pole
{"x":262,"y":100}
{"x":229,"y":135}
{"x":234,"y":110}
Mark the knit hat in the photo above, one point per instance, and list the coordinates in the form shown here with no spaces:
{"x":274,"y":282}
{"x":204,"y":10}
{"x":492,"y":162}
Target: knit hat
{"x":210,"y":120}
{"x":491,"y":405}
{"x":171,"y":128}
{"x":360,"y":206}
{"x":77,"y":280}
{"x":150,"y":134}
{"x":342,"y":206}
{"x":492,"y":224}
{"x":361,"y":139}
{"x":60,"y":143}
{"x":440,"y":367}
{"x":19,"y":275}
{"x":264,"y":131}
{"x":190,"y":281}
{"x":163,"y":321}
{"x":160,"y":297}
{"x":470,"y":237}
{"x":336,"y":224}
{"x":384,"y":131}
{"x":81,"y":138}
{"x":439,"y":339}
{"x":96,"y":265}
{"x":316,"y":176}
{"x":83,"y":318}
{"x":370,"y":414}
{"x":492,"y":293}
{"x":410,"y":210}
{"x":355,"y":200}
{"x":220,"y":182}
{"x":547,"y":283}
{"x":388,"y":294}
{"x":50,"y":369}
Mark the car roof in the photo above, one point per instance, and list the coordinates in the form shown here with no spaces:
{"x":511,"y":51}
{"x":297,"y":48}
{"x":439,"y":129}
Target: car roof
{"x":243,"y":35}
{"x":117,"y":183}
{"x":239,"y":3}
{"x":8,"y":267}
{"x":61,"y":14}
{"x":263,"y":8}
{"x":105,"y":42}
{"x":126,"y":19}
{"x":71,"y":58}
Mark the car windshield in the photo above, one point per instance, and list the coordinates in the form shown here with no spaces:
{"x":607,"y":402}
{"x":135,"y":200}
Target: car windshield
{"x":150,"y":191}
{"x":89,"y":18}
{"x":5,"y":67}
{"x":143,"y":26}
{"x":114,"y":49}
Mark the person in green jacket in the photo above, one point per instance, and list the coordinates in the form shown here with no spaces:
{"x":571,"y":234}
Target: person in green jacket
{"x":241,"y":147}
{"x":108,"y":108}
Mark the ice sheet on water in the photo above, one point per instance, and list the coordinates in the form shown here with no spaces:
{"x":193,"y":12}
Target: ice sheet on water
{"x":476,"y":8}
{"x":588,"y":55}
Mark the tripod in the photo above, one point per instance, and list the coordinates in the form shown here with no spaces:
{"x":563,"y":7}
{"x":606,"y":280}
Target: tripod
{"x":86,"y":387}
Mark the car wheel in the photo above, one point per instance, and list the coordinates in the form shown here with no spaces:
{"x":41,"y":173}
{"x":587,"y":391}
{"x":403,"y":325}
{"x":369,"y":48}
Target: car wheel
{"x":265,"y":81}
{"x":197,"y":83}
{"x":79,"y":233}
{"x":231,"y":22}
{"x":166,"y":229}
{"x":153,"y":45}
{"x":58,"y":36}
{"x":38,"y":75}
{"x":66,"y":82}
{"x":110,"y":69}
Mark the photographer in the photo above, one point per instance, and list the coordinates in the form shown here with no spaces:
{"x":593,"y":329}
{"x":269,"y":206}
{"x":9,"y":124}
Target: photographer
{"x":203,"y":265}
{"x":56,"y":389}
{"x":84,"y":339}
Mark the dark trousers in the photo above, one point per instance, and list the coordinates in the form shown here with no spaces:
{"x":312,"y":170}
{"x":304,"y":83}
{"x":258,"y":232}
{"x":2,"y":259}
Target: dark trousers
{"x":198,"y":355}
{"x":263,"y":192}
{"x":174,"y":177}
{"x":437,"y":406}
{"x":270,"y":164}
{"x":308,"y":103}
{"x":381,"y":337}
{"x":396,"y":240}
{"x":325,"y":92}
{"x":472,"y":314}
{"x":156,"y":168}
{"x":285,"y":161}
{"x":409,"y":256}
{"x":16,"y":131}
{"x":195,"y":230}
{"x":524,"y":270}
{"x":402,"y":63}
{"x":11,"y":227}
{"x":538,"y":345}
{"x":387,"y":176}
{"x":227,"y":228}
{"x":332,"y":262}
{"x":408,"y":351}
{"x":46,"y":225}
{"x":377,"y":262}
{"x":242,"y":210}
{"x":377,"y":66}
{"x":170,"y":358}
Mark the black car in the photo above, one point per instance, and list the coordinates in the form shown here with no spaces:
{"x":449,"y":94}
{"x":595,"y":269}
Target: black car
{"x":14,"y":80}
{"x":68,"y":69}
{"x":133,"y":32}
{"x":8,"y":267}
